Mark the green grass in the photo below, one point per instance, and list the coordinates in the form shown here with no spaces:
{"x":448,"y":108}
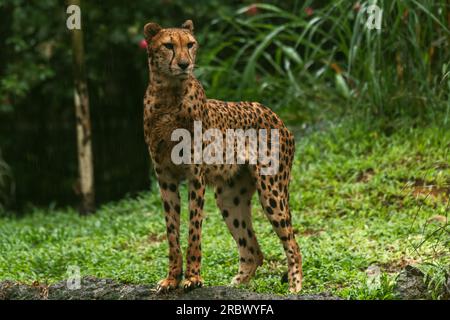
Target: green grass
{"x":357,"y":201}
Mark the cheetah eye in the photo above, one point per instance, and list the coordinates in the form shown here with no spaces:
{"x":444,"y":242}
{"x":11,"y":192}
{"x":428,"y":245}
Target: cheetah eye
{"x":190,"y":45}
{"x":168,"y":45}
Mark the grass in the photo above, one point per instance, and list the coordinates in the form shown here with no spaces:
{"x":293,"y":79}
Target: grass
{"x":359,"y":199}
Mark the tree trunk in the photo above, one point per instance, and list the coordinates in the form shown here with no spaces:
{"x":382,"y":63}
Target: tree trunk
{"x":83,"y":122}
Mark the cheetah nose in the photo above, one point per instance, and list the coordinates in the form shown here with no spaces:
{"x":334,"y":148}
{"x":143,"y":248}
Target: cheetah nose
{"x":183,"y":65}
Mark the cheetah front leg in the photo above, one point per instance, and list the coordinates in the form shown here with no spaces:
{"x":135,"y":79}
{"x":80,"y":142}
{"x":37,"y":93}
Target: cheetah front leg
{"x":171,"y":202}
{"x":194,"y":251}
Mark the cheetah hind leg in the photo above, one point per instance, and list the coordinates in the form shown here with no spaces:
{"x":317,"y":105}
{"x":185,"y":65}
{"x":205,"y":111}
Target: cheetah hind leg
{"x":275,"y":204}
{"x":235,"y":205}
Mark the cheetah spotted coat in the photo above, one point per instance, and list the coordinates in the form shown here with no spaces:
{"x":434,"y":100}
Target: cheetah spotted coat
{"x":175,"y":99}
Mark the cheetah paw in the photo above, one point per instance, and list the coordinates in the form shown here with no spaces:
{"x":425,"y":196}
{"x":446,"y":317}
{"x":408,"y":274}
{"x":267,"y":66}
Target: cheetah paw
{"x":192,"y":282}
{"x":166,"y":285}
{"x":295,"y":285}
{"x":240,"y":279}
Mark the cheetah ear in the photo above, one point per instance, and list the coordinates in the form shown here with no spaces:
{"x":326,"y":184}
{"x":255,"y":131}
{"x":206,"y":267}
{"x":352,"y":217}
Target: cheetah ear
{"x":188,"y":24}
{"x":150,"y":30}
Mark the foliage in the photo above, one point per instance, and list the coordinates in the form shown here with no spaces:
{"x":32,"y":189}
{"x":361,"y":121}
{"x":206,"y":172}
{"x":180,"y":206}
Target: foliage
{"x":300,"y":56}
{"x":359,"y":199}
{"x":304,"y":57}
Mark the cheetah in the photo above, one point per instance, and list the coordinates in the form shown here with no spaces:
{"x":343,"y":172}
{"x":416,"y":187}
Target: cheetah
{"x":175,"y":99}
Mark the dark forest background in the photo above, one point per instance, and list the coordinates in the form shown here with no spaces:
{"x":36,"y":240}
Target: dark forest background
{"x":37,"y":131}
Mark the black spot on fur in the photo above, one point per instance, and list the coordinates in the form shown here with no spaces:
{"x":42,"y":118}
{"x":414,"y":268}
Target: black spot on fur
{"x":197,"y":184}
{"x":166,"y":206}
{"x":200,"y":202}
{"x":225,"y":213}
{"x":273,"y":203}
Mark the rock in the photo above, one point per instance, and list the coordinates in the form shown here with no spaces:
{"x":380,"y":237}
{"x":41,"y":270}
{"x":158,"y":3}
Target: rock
{"x":411,"y":284}
{"x":92,"y":288}
{"x":10,"y":290}
{"x":230,"y":293}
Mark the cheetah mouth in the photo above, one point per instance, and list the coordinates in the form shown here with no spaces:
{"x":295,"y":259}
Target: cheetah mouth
{"x":182,"y":75}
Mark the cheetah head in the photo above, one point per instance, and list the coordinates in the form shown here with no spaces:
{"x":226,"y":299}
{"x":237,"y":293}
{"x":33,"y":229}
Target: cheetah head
{"x":171,"y":51}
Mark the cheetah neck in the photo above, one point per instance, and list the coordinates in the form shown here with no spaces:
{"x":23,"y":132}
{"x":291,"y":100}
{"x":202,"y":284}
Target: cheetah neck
{"x":163,"y":86}
{"x":174,"y":93}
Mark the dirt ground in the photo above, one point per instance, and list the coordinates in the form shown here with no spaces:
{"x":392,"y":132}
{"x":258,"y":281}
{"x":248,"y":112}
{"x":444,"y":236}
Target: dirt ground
{"x":106,"y":289}
{"x":410,"y":285}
